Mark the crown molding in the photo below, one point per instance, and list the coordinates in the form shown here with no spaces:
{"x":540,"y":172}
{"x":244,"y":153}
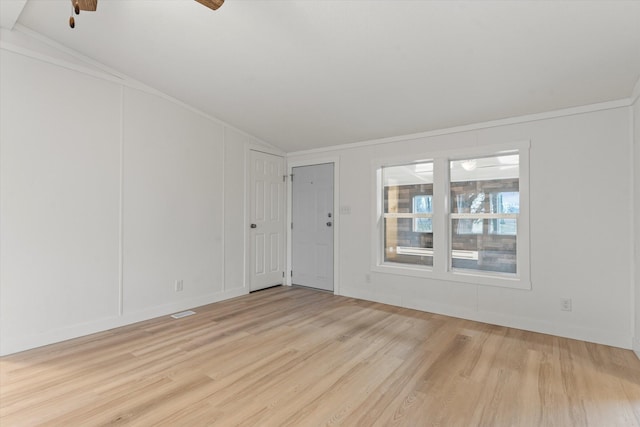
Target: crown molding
{"x":609,"y":105}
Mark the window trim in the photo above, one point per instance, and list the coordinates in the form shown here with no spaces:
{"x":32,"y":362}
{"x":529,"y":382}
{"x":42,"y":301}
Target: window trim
{"x":441,"y":219}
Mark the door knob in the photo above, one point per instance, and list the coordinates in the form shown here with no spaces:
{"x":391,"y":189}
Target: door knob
{"x":254,"y":226}
{"x":329,"y":224}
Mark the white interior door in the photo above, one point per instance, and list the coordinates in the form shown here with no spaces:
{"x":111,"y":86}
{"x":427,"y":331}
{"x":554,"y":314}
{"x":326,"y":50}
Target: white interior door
{"x":312,"y":232}
{"x":267,"y":220}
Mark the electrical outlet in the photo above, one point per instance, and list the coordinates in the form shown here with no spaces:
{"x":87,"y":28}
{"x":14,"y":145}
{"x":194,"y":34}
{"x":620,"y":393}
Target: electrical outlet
{"x":179,"y":286}
{"x":565,"y":304}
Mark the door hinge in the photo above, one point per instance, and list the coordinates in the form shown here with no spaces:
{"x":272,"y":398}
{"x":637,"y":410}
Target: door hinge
{"x":284,"y":178}
{"x":291,"y":273}
{"x":291,"y":177}
{"x":292,"y":226}
{"x":283,"y":274}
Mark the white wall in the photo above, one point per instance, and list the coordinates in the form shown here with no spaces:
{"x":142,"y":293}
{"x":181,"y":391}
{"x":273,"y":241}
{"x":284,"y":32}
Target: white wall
{"x":59,"y":199}
{"x":109,"y":192}
{"x":173,"y":185}
{"x":580,"y":220}
{"x":234,"y":209}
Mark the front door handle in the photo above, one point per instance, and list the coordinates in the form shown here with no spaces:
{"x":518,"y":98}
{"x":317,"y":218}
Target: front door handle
{"x":329,"y":224}
{"x":254,"y":226}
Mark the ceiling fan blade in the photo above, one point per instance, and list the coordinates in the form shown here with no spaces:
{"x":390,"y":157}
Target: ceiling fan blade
{"x":211,"y":4}
{"x":88,"y":5}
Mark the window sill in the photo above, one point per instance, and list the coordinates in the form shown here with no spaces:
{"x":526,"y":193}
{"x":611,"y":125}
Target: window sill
{"x":503,"y":280}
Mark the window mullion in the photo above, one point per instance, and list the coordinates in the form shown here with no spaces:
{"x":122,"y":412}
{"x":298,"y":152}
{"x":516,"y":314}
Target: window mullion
{"x":407,"y":215}
{"x":483,"y":216}
{"x":440,"y":215}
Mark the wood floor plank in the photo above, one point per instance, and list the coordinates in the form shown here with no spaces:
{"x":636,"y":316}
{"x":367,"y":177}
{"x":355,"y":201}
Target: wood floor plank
{"x":295,"y":356}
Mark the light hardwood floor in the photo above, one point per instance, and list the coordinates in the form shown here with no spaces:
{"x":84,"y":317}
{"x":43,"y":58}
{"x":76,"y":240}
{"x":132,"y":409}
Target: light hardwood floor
{"x":298,"y":357}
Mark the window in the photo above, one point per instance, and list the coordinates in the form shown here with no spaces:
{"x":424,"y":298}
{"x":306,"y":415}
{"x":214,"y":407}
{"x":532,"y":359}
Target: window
{"x":407,"y":215}
{"x":461,"y":216}
{"x":484,"y":213}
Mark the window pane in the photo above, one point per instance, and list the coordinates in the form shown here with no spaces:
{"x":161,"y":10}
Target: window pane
{"x":469,"y":226}
{"x":484,"y":252}
{"x":502,"y":226}
{"x":485,"y":168}
{"x":415,"y":173}
{"x":505,"y":202}
{"x":405,"y":246}
{"x":422,"y":204}
{"x":488,"y":185}
{"x":408,"y":189}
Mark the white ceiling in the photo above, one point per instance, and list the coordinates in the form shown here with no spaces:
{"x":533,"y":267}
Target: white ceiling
{"x":303,"y":74}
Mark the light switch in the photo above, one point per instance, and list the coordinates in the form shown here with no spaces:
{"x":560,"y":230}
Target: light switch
{"x":345,"y":210}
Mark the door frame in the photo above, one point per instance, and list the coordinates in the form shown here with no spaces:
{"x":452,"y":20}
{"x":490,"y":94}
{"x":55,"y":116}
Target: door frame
{"x":336,"y":213}
{"x":247,"y":208}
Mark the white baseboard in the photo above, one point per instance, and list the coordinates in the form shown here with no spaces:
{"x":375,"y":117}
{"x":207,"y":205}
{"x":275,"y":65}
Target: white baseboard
{"x":597,"y":336}
{"x":10,"y":345}
{"x":15,"y":344}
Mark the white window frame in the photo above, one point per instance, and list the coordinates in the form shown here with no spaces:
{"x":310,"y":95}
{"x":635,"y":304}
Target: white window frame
{"x":441,"y":219}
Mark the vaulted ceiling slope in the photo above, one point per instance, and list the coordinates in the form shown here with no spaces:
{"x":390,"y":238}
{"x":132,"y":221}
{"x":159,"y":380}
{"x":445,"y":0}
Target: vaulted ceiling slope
{"x":303,"y":74}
